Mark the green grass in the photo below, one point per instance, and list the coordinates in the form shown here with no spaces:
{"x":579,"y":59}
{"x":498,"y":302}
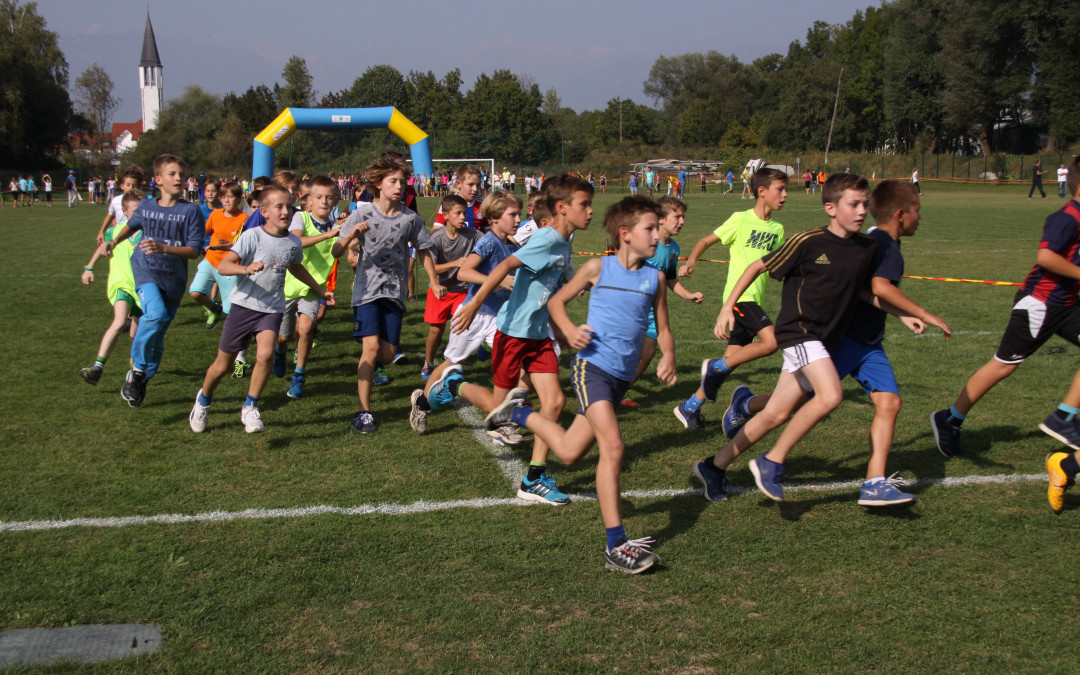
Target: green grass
{"x":970,"y":578}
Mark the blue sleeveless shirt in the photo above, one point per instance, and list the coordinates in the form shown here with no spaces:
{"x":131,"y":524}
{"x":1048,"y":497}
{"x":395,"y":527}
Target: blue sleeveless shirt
{"x":619,"y":307}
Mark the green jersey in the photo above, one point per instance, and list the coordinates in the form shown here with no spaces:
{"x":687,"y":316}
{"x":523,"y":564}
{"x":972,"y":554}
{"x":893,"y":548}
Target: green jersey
{"x":750,"y":238}
{"x":121,"y":278}
{"x":317,"y":257}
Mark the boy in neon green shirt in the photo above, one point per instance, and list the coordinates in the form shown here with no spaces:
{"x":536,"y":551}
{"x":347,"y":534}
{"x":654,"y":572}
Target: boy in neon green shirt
{"x":750,"y":235}
{"x":120,"y":288}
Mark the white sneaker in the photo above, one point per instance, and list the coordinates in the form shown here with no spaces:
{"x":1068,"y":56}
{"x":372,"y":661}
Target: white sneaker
{"x":506,"y":434}
{"x":197,"y":416}
{"x":252,"y":420}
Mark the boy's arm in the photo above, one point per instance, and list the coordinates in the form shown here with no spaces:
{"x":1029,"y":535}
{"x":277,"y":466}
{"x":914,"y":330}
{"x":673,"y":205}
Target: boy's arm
{"x":88,"y":268}
{"x":884,"y":289}
{"x":467,"y":272}
{"x":665,"y":369}
{"x":230,"y":265}
{"x":316,"y":238}
{"x":301,"y":273}
{"x":345,"y":243}
{"x":461,"y":321}
{"x":156,"y":247}
{"x":577,"y":337}
{"x":424,"y":254}
{"x":1052,"y":261}
{"x":104,"y":226}
{"x":700,"y":247}
{"x":124,"y":233}
{"x":684,"y":293}
{"x":726,"y":321}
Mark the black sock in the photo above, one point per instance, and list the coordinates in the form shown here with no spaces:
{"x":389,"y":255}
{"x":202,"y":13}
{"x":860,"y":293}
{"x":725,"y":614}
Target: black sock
{"x":535,"y":471}
{"x":1062,"y":415}
{"x":709,"y":463}
{"x":454,"y":385}
{"x":1069,"y":466}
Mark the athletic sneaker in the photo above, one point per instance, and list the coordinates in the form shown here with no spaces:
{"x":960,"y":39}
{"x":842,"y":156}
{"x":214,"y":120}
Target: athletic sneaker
{"x":500,"y":416}
{"x":691,"y":420}
{"x":296,"y":387}
{"x":212,"y":317}
{"x":91,"y":375}
{"x":240,"y":369}
{"x":711,"y":379}
{"x":632,"y":557}
{"x":439,"y":394}
{"x":418,"y":410}
{"x":715,"y":482}
{"x":425,"y":372}
{"x":279,"y":363}
{"x":734,"y":418}
{"x":628,"y":402}
{"x":363,"y":422}
{"x":400,"y":358}
{"x":1064,"y":431}
{"x":542,"y":490}
{"x":1059,"y":481}
{"x":946,"y":434}
{"x":767,"y":476}
{"x":506,"y":435}
{"x":252,"y":420}
{"x":380,"y":378}
{"x":482,"y":353}
{"x":134,"y":389}
{"x":197,"y":416}
{"x":884,"y":493}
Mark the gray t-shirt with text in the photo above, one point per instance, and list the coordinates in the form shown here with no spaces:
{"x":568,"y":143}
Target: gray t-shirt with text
{"x":264,"y":291}
{"x":383,"y":269}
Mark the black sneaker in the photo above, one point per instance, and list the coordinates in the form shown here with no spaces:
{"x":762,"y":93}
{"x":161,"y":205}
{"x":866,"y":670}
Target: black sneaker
{"x":1066,"y":432}
{"x":91,"y":375}
{"x":946,"y":434}
{"x":363,"y":422}
{"x":134,"y":389}
{"x":632,"y":557}
{"x":691,"y":420}
{"x":711,"y":379}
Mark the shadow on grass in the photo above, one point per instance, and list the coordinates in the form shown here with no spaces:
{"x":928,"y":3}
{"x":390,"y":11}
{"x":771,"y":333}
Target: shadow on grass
{"x":683,"y":515}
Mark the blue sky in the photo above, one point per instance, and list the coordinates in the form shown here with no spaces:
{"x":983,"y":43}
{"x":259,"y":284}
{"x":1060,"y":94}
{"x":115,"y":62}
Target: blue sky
{"x":590,"y":52}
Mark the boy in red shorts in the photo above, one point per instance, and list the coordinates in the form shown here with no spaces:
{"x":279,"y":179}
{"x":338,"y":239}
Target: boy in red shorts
{"x":451,"y":244}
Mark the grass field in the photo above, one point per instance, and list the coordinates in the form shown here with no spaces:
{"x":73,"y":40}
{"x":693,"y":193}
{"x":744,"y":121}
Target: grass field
{"x":973,"y":577}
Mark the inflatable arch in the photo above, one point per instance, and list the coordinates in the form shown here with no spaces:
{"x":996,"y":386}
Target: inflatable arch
{"x":291,"y":119}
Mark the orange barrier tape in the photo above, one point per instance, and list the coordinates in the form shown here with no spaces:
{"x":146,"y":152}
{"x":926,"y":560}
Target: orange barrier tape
{"x":906,"y":276}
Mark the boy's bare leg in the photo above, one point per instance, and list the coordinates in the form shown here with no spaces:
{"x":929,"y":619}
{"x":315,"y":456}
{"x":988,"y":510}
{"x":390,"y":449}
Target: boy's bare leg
{"x":782,"y":402}
{"x":552,"y":401}
{"x":264,"y":359}
{"x":305,"y":335}
{"x":375,"y":351}
{"x":434,"y":339}
{"x":827,"y":396}
{"x":203,"y":299}
{"x":886,"y":408}
{"x":648,"y":352}
{"x":216,"y":372}
{"x":121,"y":311}
{"x":604,"y":425}
{"x":982,"y":381}
{"x":569,"y":445}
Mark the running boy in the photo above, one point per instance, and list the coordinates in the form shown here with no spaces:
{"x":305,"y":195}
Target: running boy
{"x":260,"y":257}
{"x":623,"y":292}
{"x":172,"y":233}
{"x":450,"y":245}
{"x":1046,"y":305}
{"x":120,"y":288}
{"x":825,"y":271}
{"x":382,"y":231}
{"x":749,"y":235}
{"x":467,"y":186}
{"x":223,"y":226}
{"x":131,"y":179}
{"x":317,"y":230}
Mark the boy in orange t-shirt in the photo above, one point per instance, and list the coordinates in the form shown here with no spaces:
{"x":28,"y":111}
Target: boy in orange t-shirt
{"x":222,"y":228}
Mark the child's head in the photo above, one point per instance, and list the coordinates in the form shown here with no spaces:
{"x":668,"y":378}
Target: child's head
{"x":320,"y":196}
{"x":1074,"y":177}
{"x":453,"y":210}
{"x":260,"y":182}
{"x":253,"y":199}
{"x":131,"y":178}
{"x":288,"y":180}
{"x":231,"y":196}
{"x":303,"y":190}
{"x":467,"y":181}
{"x":386,"y":175}
{"x":574,"y":194}
{"x":502,"y":210}
{"x":534,"y":199}
{"x":540,"y":214}
{"x":169,"y":172}
{"x":130,"y":200}
{"x":845,"y":199}
{"x":838,"y":183}
{"x":771,"y":186}
{"x":274,"y":202}
{"x":896,"y":202}
{"x":211,"y":190}
{"x":672,"y":212}
{"x":633,"y":221}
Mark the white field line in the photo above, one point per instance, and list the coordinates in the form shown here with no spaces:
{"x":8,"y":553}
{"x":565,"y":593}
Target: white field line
{"x":933,"y":333}
{"x":427,"y":507}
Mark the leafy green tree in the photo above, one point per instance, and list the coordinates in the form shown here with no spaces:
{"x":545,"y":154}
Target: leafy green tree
{"x":186,"y":128}
{"x":298,"y":91}
{"x":378,"y":87}
{"x":1055,"y":98}
{"x":623,"y":121}
{"x":502,"y":119}
{"x":95,"y":101}
{"x":255,"y":108}
{"x":231,"y":146}
{"x":912,"y":75}
{"x":34,"y":104}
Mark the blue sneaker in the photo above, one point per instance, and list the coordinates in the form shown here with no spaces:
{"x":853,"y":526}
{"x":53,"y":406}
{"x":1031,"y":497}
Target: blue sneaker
{"x":691,"y":420}
{"x":363,"y":422}
{"x":711,"y":378}
{"x":439,"y":394}
{"x":482,"y":354}
{"x":279,"y":364}
{"x":380,"y":377}
{"x":946,"y":434}
{"x":542,"y":490}
{"x":767,"y":476}
{"x":884,"y":493}
{"x":734,"y":418}
{"x":400,"y":359}
{"x":1066,"y":432}
{"x":425,"y":372}
{"x":715,"y":482}
{"x":296,"y":387}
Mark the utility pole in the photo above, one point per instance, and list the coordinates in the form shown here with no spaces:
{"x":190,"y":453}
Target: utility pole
{"x":620,"y":121}
{"x":836,"y":104}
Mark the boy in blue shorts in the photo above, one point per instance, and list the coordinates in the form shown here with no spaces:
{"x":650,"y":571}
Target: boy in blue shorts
{"x":523,"y":340}
{"x":172,"y":233}
{"x":382,"y":231}
{"x":259,"y":260}
{"x":623,"y":291}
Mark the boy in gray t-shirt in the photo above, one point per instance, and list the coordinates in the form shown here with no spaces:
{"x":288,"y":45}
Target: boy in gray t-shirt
{"x":260,"y":258}
{"x":451,"y":243}
{"x":381,"y":232}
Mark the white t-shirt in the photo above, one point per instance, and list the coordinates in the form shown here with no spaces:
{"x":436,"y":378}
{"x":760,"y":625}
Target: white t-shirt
{"x":116,"y":209}
{"x":1063,"y":175}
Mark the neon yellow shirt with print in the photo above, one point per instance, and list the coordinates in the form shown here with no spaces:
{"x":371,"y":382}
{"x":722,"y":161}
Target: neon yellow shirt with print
{"x":121,"y":278}
{"x":317,"y":258}
{"x":749,"y":238}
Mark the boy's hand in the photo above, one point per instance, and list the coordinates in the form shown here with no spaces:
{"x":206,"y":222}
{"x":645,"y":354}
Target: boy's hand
{"x":460,"y":322}
{"x":580,"y":337}
{"x":915,"y":325}
{"x":100,"y":238}
{"x":87,"y":277}
{"x":507,"y":282}
{"x":150,"y":247}
{"x":254,"y":267}
{"x":359,"y":230}
{"x":439,"y":291}
{"x":335,"y":230}
{"x":107,"y":249}
{"x":935,"y":320}
{"x":696,"y":298}
{"x":686,"y":270}
{"x":724,"y":323}
{"x":328,"y":296}
{"x":665,"y":370}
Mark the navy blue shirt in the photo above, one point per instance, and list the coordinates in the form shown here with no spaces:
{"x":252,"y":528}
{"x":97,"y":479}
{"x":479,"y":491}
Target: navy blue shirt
{"x":868,"y":323}
{"x":179,"y":225}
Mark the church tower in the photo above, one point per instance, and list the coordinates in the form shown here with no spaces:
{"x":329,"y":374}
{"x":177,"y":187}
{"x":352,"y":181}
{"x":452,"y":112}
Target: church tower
{"x":150,"y":84}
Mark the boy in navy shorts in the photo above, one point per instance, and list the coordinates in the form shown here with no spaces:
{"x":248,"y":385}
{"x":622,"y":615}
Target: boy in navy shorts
{"x":623,"y":292}
{"x":260,"y":258}
{"x":382,"y":232}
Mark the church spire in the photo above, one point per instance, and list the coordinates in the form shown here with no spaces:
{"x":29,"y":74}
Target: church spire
{"x":150,"y":56}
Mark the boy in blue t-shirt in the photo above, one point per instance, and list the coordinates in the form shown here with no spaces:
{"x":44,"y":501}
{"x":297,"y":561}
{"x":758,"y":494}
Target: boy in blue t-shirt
{"x":172,"y":233}
{"x":624,"y":290}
